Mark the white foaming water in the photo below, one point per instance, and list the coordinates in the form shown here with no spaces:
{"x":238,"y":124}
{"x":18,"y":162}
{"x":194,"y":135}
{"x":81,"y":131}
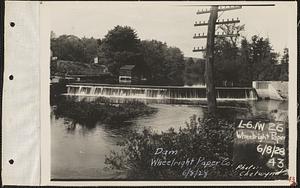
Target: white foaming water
{"x":159,"y":94}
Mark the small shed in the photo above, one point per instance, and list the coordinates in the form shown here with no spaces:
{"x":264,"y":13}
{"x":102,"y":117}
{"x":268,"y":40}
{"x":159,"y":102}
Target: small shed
{"x":131,"y":74}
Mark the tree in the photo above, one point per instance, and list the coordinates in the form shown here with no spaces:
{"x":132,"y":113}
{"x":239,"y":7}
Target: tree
{"x":68,"y":47}
{"x":194,"y":72}
{"x":228,"y":68}
{"x":246,"y":67}
{"x":174,"y":63}
{"x":190,"y":61}
{"x":52,"y":35}
{"x":90,"y":49}
{"x":72,"y":48}
{"x":284,"y":66}
{"x":241,"y":61}
{"x":164,"y":64}
{"x":153,"y":57}
{"x":285,"y":57}
{"x":262,"y":58}
{"x":229,"y":29}
{"x":119,"y":47}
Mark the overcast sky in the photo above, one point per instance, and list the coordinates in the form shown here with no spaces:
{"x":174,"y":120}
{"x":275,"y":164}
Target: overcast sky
{"x":170,"y":22}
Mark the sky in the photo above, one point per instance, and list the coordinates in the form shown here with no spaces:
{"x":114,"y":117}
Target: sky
{"x":170,"y":22}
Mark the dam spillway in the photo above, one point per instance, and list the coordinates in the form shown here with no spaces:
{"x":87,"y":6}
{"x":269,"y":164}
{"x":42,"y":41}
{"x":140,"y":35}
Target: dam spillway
{"x":156,"y":94}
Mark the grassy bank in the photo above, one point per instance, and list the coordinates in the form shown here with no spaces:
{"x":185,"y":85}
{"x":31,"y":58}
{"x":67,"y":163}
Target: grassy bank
{"x":149,"y":155}
{"x":88,"y":113}
{"x":208,"y":138}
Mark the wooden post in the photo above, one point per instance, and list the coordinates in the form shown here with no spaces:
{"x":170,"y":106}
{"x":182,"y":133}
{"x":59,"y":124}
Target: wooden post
{"x":209,"y":65}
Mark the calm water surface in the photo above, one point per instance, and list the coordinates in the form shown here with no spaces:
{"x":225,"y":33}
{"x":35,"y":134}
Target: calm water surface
{"x":79,"y":152}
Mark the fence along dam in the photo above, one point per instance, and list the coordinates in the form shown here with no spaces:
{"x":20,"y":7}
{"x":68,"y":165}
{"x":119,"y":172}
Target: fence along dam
{"x":156,"y":94}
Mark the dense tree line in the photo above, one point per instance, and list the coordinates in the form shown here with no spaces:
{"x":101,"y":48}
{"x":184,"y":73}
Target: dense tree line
{"x":238,"y":61}
{"x":164,"y":65}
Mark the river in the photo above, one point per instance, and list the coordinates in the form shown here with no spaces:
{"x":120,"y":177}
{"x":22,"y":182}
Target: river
{"x":79,"y":152}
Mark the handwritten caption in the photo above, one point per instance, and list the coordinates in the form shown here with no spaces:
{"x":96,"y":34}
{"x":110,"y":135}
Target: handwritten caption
{"x":269,"y":139}
{"x":258,"y":131}
{"x":191,"y":167}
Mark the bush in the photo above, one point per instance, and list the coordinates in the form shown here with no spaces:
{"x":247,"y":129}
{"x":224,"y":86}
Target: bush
{"x":208,"y":138}
{"x":89,"y":113}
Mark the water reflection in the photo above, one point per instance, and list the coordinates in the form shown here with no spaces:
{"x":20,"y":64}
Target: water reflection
{"x":78,"y":152}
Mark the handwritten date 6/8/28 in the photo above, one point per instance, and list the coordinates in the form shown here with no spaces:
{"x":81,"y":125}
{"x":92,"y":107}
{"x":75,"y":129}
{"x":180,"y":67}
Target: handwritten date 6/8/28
{"x":270,"y":150}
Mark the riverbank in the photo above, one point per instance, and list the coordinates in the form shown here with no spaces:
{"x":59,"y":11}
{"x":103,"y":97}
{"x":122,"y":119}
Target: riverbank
{"x":89,"y":113}
{"x":72,"y":147}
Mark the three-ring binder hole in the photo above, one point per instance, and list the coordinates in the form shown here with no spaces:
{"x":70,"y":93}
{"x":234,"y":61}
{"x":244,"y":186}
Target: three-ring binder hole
{"x":11,"y":161}
{"x":11,"y":77}
{"x":12,"y":24}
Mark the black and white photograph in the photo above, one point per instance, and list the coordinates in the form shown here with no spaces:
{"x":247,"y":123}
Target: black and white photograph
{"x":170,"y":91}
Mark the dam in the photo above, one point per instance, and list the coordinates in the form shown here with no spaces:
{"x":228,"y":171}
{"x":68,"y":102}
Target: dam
{"x":117,"y":93}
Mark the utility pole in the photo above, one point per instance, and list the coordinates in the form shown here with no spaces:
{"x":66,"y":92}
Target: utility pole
{"x":209,"y":65}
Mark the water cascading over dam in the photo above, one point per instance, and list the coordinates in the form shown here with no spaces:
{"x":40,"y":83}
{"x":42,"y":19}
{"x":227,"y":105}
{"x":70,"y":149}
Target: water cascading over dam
{"x":156,"y":94}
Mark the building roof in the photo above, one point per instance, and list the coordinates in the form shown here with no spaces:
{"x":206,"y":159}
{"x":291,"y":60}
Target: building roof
{"x":127,"y":67}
